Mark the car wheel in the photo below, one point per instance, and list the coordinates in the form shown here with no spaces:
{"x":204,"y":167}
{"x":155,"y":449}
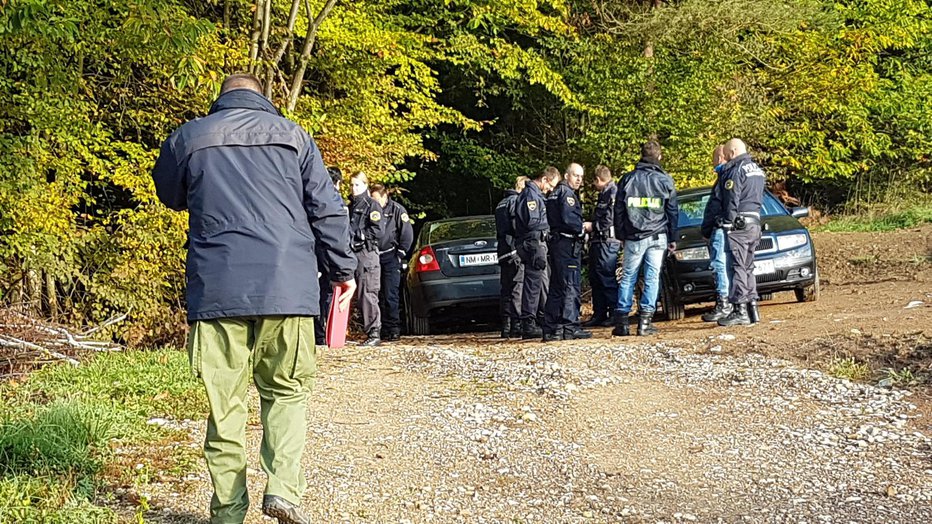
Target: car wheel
{"x":672,"y":308}
{"x":809,"y":293}
{"x":766,"y":296}
{"x":415,"y":325}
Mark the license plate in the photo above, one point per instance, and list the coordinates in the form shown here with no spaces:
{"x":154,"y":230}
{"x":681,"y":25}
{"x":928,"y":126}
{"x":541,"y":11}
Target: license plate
{"x":764,"y":267}
{"x":479,"y":259}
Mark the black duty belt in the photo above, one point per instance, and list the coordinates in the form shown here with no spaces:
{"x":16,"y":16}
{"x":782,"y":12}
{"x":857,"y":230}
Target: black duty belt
{"x":536,"y":235}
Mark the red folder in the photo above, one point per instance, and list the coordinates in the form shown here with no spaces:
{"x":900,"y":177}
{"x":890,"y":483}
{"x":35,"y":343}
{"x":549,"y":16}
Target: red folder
{"x":337,"y":321}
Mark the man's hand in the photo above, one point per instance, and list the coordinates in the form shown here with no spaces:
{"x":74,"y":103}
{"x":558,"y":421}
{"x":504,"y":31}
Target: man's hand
{"x":587,"y":227}
{"x":672,"y":247}
{"x":347,"y":290}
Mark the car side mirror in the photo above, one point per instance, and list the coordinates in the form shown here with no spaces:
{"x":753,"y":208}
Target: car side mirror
{"x":800,"y":212}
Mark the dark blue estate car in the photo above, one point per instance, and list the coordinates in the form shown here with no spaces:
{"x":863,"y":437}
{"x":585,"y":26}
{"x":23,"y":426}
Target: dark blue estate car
{"x":785,"y":258}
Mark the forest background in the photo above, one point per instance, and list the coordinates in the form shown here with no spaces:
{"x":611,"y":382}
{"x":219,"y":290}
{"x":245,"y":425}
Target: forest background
{"x":448,"y":100}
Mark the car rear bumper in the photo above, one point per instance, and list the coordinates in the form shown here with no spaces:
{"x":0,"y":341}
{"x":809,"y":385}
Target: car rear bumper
{"x":699,"y":286}
{"x":431,"y":297}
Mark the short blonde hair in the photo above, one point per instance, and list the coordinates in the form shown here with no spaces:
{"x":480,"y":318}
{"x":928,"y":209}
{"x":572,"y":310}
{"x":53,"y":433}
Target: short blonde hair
{"x":520,"y":183}
{"x":361,"y":176}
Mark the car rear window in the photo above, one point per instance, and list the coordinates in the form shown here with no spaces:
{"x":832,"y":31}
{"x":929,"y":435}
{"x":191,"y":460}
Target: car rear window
{"x":461,"y":229}
{"x":693,"y":206}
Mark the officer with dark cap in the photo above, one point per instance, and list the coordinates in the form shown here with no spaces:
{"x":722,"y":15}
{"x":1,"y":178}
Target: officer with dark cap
{"x":531,"y":233}
{"x":564,"y":214}
{"x":396,"y":241}
{"x":512,"y":271}
{"x":326,"y":292}
{"x":743,"y":183}
{"x":365,"y":234}
{"x":603,"y":250}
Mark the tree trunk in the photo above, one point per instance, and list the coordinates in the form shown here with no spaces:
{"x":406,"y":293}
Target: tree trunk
{"x":298,"y":79}
{"x":51,"y":295}
{"x":256,"y":33}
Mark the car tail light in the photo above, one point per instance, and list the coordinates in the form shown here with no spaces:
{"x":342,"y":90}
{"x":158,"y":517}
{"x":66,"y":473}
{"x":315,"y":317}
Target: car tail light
{"x":427,"y":261}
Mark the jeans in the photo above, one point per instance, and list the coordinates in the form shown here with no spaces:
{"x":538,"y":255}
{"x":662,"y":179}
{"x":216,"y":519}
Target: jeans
{"x":718,"y":252}
{"x":650,"y":252}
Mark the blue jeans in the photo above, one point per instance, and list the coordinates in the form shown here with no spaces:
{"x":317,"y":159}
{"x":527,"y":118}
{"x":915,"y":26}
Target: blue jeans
{"x":718,"y":252}
{"x":648,"y":252}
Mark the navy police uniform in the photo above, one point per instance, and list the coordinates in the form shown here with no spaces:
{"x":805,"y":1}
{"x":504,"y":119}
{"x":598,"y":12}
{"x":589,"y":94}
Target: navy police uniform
{"x":564,"y":214}
{"x":531,"y":233}
{"x":603,"y":256}
{"x":394,"y":245}
{"x":365,"y":233}
{"x":512,"y":271}
{"x":743,"y":184}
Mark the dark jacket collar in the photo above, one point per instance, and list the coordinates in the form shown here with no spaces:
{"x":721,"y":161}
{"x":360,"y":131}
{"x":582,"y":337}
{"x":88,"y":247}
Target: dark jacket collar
{"x":243,"y":99}
{"x":610,"y":186}
{"x":510,"y":192}
{"x":648,"y":165}
{"x":737,"y":160}
{"x":359,"y":199}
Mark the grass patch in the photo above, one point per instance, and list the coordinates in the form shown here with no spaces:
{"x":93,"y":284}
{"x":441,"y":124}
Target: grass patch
{"x":881,"y":220}
{"x":849,"y":368}
{"x":57,"y":428}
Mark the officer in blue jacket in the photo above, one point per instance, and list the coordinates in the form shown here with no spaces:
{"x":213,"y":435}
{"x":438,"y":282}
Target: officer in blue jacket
{"x":603,"y":250}
{"x":512,"y":271}
{"x":564,"y":213}
{"x":531,"y":233}
{"x":394,"y":246}
{"x":365,"y":233}
{"x":718,"y":244}
{"x":743,"y":183}
{"x":260,"y":209}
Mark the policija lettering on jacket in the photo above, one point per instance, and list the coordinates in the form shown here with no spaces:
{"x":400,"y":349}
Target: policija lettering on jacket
{"x":541,"y":236}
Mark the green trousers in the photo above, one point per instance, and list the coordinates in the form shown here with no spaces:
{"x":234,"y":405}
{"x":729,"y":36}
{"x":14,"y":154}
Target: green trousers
{"x":278,"y":352}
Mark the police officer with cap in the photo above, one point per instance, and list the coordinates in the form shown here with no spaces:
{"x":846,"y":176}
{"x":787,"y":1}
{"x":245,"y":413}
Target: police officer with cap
{"x":603,"y":250}
{"x":397,"y":238}
{"x":512,"y":271}
{"x":743,"y":183}
{"x":365,"y":234}
{"x":564,"y":214}
{"x":531,"y":233}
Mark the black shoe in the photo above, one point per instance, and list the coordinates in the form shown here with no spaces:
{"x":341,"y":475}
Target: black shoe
{"x":608,"y":322}
{"x":595,"y":321}
{"x":645,"y":326}
{"x":373,"y":339}
{"x":506,"y":327}
{"x":576,"y":334}
{"x":552,"y":337}
{"x":286,"y":512}
{"x":722,"y":309}
{"x":753,"y":312}
{"x":622,"y":325}
{"x":738,"y":317}
{"x":515,"y":328}
{"x":393,"y":336}
{"x":530,"y":330}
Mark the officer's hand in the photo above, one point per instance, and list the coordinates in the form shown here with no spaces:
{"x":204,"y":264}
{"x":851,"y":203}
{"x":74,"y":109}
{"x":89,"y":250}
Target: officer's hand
{"x":672,"y":247}
{"x":347,"y":290}
{"x":587,"y":227}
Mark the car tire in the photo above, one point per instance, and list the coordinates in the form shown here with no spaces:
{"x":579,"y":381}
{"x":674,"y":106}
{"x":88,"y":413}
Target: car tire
{"x":811,"y":292}
{"x":766,"y":296}
{"x":415,"y":325}
{"x":672,"y":308}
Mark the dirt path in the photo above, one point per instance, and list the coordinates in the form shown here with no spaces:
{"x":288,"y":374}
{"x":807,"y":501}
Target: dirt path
{"x":698,"y":425}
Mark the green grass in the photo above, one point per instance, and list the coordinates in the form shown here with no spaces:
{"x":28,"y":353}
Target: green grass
{"x":881,"y":220}
{"x":849,"y":368}
{"x":56,"y":428}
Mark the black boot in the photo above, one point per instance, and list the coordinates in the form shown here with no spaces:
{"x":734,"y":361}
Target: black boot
{"x":286,"y":512}
{"x":622,"y":325}
{"x":394,"y":335}
{"x":722,"y":310}
{"x":753,"y":312}
{"x":530,"y":330}
{"x":515,"y":328}
{"x":506,"y":327}
{"x":645,"y":327}
{"x":576,"y":334}
{"x":596,"y":321}
{"x":738,"y":317}
{"x":552,"y":337}
{"x":373,"y":340}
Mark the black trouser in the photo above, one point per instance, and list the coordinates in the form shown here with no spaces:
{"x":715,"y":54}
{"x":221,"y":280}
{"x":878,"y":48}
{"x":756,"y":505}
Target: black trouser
{"x":512,"y":281}
{"x":389,"y":291}
{"x":742,"y":244}
{"x":533,"y":254}
{"x":562,"y":309}
{"x":603,"y":261}
{"x":368,"y":282}
{"x":326,"y":295}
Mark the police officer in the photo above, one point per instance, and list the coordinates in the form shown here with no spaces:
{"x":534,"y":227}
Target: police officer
{"x":531,"y":233}
{"x":365,"y":234}
{"x":326,"y":292}
{"x":715,"y":235}
{"x":564,"y":213}
{"x":512,"y":271}
{"x":603,"y":250}
{"x":396,"y":241}
{"x":645,"y":220}
{"x":743,"y":184}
